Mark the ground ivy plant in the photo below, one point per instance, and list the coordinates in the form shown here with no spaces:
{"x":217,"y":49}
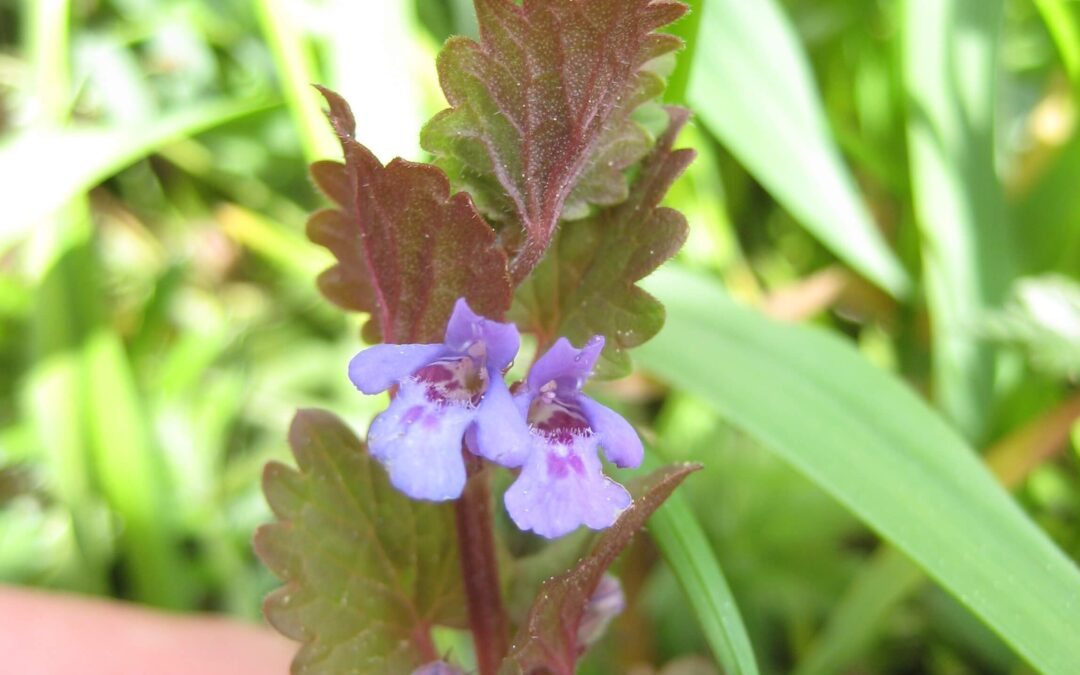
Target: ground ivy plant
{"x":539,"y":215}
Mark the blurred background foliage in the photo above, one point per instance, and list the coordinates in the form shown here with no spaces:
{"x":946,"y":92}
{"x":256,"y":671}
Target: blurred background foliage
{"x":159,"y":321}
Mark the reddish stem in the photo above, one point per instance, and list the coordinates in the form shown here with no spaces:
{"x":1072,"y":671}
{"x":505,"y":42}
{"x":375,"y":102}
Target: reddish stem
{"x":480,"y":569}
{"x":424,"y":644}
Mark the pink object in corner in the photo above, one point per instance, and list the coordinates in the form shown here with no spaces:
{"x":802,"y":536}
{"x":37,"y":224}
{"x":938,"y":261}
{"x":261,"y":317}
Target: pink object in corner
{"x":53,"y":634}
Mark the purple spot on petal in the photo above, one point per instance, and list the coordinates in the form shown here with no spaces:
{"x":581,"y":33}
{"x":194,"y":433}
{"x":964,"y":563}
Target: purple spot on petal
{"x":431,"y":422}
{"x":556,"y":466}
{"x":412,"y":414}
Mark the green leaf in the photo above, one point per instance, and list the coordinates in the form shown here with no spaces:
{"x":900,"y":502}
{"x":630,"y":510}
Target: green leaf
{"x":867,"y":439}
{"x":586,"y":284}
{"x":89,"y":156}
{"x":1060,"y":20}
{"x":539,"y":124}
{"x":367,"y":570}
{"x":407,"y":250}
{"x":751,"y":84}
{"x":958,"y":202}
{"x":686,"y":550}
{"x":548,"y":640}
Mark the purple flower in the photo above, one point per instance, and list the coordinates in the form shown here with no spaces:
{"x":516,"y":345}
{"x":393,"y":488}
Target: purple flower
{"x":445,"y":392}
{"x":562,"y":484}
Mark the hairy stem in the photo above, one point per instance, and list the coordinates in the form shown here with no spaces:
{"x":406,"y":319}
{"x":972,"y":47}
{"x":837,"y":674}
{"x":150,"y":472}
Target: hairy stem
{"x":480,"y":569}
{"x":526,"y":261}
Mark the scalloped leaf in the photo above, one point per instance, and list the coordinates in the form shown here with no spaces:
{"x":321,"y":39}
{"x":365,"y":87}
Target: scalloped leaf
{"x":540,"y":119}
{"x":548,"y":641}
{"x":406,"y":248}
{"x":367,"y":570}
{"x":587,"y":282}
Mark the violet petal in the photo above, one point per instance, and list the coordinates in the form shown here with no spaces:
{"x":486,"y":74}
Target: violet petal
{"x":621,"y":444}
{"x":502,"y":435}
{"x":378,"y":368}
{"x":466,"y":328}
{"x":419,"y":443}
{"x":565,"y":365}
{"x":563,"y":487}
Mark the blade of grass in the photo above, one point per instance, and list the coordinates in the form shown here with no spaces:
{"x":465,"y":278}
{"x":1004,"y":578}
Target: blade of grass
{"x":52,"y":391}
{"x":889,"y":577}
{"x":1060,"y":22}
{"x":55,"y":166}
{"x":275,"y":242}
{"x":130,"y":475}
{"x":751,"y":85}
{"x":881,"y":584}
{"x":688,"y":28}
{"x":296,"y":70}
{"x":49,"y":33}
{"x":56,"y":416}
{"x":685,"y":548}
{"x":958,"y":202}
{"x":873,"y":444}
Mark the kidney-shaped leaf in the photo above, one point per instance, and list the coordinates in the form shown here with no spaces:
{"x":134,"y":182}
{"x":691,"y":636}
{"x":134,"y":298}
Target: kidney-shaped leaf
{"x":367,"y":570}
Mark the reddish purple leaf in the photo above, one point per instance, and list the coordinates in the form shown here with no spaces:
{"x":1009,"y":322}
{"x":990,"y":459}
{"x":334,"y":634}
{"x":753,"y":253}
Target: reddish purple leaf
{"x":367,"y":570}
{"x":587,"y":282}
{"x":549,"y":640}
{"x":539,"y":124}
{"x":406,"y":249}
